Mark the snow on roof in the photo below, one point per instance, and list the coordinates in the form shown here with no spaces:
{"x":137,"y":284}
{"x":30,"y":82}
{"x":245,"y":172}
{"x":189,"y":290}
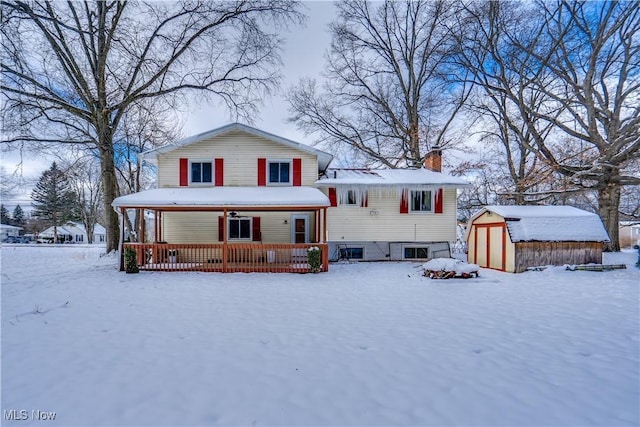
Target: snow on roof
{"x":388,"y":177}
{"x":224,"y":196}
{"x":323,"y":158}
{"x":9,"y":227}
{"x":549,"y":223}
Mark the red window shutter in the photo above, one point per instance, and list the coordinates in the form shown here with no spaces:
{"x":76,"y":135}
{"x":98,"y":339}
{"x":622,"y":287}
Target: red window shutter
{"x":257,"y":234}
{"x":184,"y":172}
{"x":404,"y":202}
{"x":297,"y":172}
{"x":220,"y":228}
{"x":333,"y":198}
{"x":439,"y":198}
{"x":219,"y":166}
{"x":262,"y":172}
{"x":365,"y":200}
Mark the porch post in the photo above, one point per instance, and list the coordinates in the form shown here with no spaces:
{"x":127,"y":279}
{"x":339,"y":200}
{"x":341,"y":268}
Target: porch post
{"x":141,"y":231}
{"x":324,"y":225}
{"x":121,"y":240}
{"x":224,"y":241}
{"x":316,"y":216}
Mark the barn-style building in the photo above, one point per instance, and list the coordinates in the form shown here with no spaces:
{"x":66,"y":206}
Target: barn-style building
{"x":513,"y":238}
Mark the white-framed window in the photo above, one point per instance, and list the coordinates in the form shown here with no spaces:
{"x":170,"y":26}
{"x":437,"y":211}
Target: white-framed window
{"x":201,"y":172}
{"x":415,"y":252}
{"x":79,"y":238}
{"x":101,"y":238}
{"x":351,"y":252}
{"x":348,"y":198}
{"x":279,"y":172}
{"x":240,"y":228}
{"x":421,"y":201}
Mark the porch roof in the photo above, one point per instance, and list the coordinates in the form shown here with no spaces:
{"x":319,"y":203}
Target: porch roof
{"x":224,"y":197}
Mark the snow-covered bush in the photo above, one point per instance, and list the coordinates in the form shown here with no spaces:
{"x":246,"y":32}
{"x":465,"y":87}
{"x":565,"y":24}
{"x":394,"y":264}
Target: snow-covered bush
{"x":315,"y":259}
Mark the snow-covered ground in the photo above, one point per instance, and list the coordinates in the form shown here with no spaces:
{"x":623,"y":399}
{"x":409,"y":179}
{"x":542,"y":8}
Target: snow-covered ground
{"x":364,"y":344}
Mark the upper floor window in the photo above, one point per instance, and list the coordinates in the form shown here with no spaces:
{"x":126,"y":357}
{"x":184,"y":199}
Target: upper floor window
{"x":348,"y":198}
{"x":421,"y":201}
{"x":279,"y":172}
{"x":201,"y":172}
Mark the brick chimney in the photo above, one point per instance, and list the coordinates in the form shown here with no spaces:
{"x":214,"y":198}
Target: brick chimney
{"x":433,"y":159}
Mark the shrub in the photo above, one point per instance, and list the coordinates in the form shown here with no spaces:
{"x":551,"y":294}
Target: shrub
{"x":131,"y":260}
{"x":315,"y":259}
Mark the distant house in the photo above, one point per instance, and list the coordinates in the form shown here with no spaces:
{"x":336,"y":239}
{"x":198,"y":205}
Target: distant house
{"x":7,"y":230}
{"x":513,"y":238}
{"x":629,"y":233}
{"x":73,"y":232}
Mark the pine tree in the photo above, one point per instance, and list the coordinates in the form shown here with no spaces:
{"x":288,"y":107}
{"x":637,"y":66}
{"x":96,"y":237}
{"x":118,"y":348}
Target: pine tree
{"x":53,"y":199}
{"x":18,"y":216}
{"x":4,"y":216}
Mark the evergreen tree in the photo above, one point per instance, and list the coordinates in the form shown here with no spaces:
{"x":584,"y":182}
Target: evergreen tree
{"x":53,"y":199}
{"x":4,"y":216}
{"x":18,"y":216}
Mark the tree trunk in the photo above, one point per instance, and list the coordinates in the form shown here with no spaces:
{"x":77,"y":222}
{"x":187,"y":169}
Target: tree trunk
{"x":109,"y":187}
{"x":608,"y":202}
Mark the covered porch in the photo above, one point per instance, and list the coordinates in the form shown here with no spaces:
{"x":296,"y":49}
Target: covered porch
{"x":225,"y":229}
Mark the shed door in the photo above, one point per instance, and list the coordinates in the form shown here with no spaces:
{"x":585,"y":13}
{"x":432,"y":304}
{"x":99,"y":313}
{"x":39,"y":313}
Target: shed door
{"x":491,"y":245}
{"x":496,"y":248}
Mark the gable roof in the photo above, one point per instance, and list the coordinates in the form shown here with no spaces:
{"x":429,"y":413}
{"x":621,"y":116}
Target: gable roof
{"x":548,"y":223}
{"x":323,"y":158}
{"x":9,"y":227}
{"x":388,"y":178}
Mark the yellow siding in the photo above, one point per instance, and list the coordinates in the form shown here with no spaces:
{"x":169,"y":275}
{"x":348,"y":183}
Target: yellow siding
{"x":202,"y":227}
{"x":240,"y":152}
{"x":382,"y":221}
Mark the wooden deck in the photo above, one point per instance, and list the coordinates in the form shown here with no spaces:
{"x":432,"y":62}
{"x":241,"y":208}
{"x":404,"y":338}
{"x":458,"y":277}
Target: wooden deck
{"x":229,"y":257}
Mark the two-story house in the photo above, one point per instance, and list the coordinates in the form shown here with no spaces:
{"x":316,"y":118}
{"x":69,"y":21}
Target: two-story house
{"x":240,"y":199}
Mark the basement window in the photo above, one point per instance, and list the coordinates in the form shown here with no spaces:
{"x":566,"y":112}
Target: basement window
{"x":352,"y":253}
{"x":416,"y":252}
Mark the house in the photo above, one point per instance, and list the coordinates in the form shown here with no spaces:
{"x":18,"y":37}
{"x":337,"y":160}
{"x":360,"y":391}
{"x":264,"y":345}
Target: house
{"x":237,"y":198}
{"x":7,"y":230}
{"x":629,"y":233}
{"x":513,"y":238}
{"x":73,"y":232}
{"x":390,"y":214}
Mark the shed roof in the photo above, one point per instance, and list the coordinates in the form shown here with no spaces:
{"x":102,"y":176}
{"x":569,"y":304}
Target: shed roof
{"x":388,"y":178}
{"x":548,"y":223}
{"x":323,"y":158}
{"x":225,"y":197}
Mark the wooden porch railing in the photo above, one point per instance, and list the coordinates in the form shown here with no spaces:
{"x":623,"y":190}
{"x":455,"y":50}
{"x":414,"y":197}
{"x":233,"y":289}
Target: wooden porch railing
{"x":228,"y":258}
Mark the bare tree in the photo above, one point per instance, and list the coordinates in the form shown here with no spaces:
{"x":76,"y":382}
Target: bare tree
{"x":385,"y":95}
{"x":71,"y":71}
{"x":583,"y":60}
{"x":84,"y":177}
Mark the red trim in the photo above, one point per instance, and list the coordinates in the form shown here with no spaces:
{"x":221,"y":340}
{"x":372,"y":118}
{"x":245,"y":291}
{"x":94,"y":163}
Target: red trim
{"x":333,"y":198}
{"x":184,"y":172}
{"x":255,"y":229}
{"x":297,"y":172}
{"x":219,"y":166}
{"x":220,"y":228}
{"x":365,"y":200}
{"x":404,"y":202}
{"x":262,"y":172}
{"x":439,"y":198}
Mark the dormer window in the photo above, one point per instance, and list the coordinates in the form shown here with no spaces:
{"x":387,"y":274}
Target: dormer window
{"x":201,"y":172}
{"x":279,"y":172}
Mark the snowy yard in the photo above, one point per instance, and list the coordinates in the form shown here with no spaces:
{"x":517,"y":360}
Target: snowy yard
{"x":364,"y":344}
